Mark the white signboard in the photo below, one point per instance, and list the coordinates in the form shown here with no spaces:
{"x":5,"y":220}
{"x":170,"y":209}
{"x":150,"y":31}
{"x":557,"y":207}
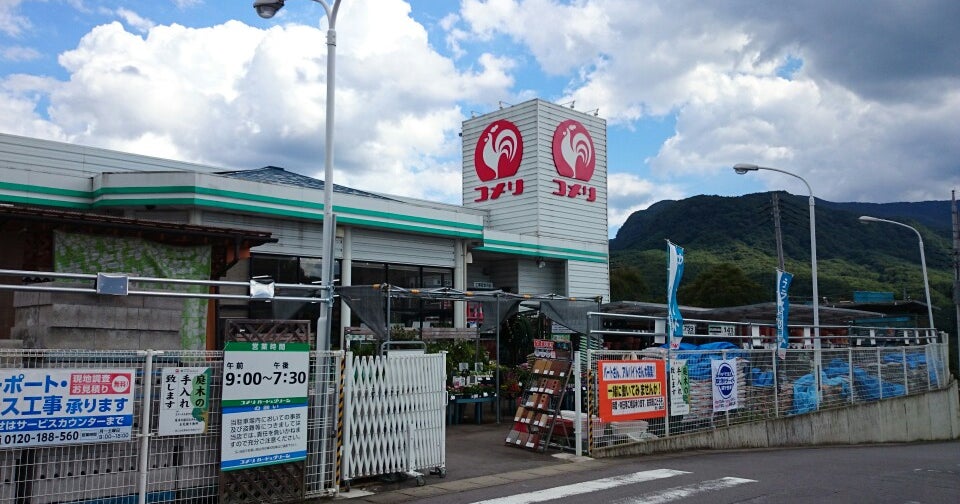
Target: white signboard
{"x":65,"y":406}
{"x":184,"y":401}
{"x":264,"y":404}
{"x":724,"y":379}
{"x":722,"y":330}
{"x":679,"y":387}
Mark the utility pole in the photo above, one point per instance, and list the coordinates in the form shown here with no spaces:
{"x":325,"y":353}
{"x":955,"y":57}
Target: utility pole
{"x":776,"y":225}
{"x":956,"y":271}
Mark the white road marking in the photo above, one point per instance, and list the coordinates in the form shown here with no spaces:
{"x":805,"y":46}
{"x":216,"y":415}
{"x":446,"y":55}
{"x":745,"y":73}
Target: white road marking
{"x":677,"y":493}
{"x":585,"y":487}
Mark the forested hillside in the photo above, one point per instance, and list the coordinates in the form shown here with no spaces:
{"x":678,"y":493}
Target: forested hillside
{"x":731,"y":254}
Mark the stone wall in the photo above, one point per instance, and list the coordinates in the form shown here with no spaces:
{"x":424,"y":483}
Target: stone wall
{"x":65,"y":320}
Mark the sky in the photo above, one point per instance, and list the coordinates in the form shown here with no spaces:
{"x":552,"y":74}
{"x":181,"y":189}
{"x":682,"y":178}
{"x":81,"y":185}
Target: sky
{"x":860,"y":98}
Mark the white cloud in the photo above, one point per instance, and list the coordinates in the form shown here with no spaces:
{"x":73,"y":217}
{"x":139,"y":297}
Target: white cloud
{"x":134,"y":20}
{"x":11,"y":21}
{"x":850,"y":121}
{"x":628,"y":193}
{"x":256,"y":96}
{"x":19,"y":53}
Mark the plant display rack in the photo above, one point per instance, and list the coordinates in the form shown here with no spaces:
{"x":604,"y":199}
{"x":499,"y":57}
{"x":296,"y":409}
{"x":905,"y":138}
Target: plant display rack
{"x":539,"y":407}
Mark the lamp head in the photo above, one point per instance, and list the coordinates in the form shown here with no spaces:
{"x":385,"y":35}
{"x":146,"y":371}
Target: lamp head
{"x":743,"y":168}
{"x":267,"y":8}
{"x":866,"y":218}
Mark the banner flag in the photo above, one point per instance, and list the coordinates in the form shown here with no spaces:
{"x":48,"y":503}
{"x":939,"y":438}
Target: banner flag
{"x":674,"y":273}
{"x":783,"y":312}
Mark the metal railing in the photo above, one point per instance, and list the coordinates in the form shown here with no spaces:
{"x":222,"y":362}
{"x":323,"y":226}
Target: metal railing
{"x":145,"y":464}
{"x":858,"y":365}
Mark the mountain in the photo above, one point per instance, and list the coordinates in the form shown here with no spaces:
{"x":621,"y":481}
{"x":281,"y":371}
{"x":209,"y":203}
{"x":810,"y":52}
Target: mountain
{"x":740,"y":231}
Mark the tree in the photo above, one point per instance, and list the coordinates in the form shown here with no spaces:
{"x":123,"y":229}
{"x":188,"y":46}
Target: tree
{"x":722,"y":284}
{"x":626,"y":284}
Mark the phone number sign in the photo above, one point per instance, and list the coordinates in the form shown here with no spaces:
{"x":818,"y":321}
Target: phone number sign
{"x":65,"y":406}
{"x":632,"y":390}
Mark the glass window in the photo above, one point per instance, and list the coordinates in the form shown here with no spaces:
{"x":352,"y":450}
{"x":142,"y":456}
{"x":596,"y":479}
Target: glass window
{"x":367,"y":273}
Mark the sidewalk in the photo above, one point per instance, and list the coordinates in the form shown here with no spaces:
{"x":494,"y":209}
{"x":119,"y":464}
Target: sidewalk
{"x":476,"y":457}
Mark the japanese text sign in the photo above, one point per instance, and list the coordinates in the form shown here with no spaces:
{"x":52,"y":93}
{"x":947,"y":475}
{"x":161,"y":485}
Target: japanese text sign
{"x":65,"y":406}
{"x":264,"y":404}
{"x":632,"y":389}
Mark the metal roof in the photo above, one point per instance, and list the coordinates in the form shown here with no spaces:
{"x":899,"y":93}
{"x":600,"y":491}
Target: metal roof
{"x":278,"y":175}
{"x":800,"y":314}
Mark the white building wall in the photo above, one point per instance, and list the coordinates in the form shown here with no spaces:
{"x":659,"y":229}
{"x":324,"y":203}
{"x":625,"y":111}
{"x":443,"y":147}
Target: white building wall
{"x":396,"y":248}
{"x":588,"y":279}
{"x":546,"y":280}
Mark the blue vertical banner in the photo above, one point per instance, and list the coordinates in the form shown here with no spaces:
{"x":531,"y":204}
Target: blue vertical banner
{"x":674,"y":274}
{"x":783,"y":312}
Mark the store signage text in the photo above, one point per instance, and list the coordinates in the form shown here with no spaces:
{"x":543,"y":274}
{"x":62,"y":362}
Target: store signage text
{"x":574,"y":158}
{"x":497,"y":159}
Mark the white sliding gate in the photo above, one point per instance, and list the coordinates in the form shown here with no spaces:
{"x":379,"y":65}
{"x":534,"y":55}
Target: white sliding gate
{"x":395,"y":414}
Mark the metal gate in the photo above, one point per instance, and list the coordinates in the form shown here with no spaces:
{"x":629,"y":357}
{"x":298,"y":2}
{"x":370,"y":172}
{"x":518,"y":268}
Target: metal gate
{"x":395,"y":406}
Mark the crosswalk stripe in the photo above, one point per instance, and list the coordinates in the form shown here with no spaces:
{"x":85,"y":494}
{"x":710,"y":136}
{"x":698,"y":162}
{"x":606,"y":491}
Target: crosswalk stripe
{"x":677,"y":493}
{"x":585,"y":487}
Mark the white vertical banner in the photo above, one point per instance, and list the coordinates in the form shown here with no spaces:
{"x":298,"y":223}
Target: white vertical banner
{"x":679,"y":387}
{"x":184,"y":401}
{"x":723,"y":374}
{"x":674,"y":274}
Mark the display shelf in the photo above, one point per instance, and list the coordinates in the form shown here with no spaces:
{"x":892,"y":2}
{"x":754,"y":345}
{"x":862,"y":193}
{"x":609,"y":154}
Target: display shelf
{"x":540,"y":404}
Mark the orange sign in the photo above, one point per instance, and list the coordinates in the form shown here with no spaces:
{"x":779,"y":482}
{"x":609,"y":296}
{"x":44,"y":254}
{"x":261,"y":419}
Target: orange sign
{"x":632,"y":389}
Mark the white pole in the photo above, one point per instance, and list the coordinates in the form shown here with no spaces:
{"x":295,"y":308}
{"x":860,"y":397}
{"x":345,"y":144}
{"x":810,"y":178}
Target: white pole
{"x":329,"y":222}
{"x":923,"y":262}
{"x":146,"y":402}
{"x":744,"y":168}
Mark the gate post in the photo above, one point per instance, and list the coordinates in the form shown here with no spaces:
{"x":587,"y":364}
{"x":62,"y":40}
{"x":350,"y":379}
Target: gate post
{"x":146,"y":403}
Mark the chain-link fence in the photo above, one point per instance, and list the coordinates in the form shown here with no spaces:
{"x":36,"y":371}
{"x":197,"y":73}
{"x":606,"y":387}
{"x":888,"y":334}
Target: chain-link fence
{"x":630,"y":399}
{"x":74,"y":425}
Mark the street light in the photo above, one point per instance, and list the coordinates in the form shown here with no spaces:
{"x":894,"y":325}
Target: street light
{"x":267,"y":9}
{"x":744,"y":168}
{"x":923,"y":261}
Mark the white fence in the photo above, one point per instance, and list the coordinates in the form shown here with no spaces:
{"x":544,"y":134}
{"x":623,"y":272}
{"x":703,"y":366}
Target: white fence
{"x":396,"y":424}
{"x":397,"y":405}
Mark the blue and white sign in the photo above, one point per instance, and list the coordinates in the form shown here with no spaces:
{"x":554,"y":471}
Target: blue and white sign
{"x":674,"y":274}
{"x":65,"y":406}
{"x":724,"y":378}
{"x":783,"y":311}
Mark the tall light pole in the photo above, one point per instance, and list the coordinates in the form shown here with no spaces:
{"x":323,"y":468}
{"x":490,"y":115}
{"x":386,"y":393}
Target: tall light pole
{"x":923,"y":261}
{"x":744,"y":168}
{"x":267,"y":9}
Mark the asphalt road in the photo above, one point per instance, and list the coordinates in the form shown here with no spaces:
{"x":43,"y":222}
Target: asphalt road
{"x":904,"y":473}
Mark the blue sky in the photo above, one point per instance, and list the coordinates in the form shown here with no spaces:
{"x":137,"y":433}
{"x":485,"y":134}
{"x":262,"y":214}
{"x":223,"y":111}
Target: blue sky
{"x":861,"y":98}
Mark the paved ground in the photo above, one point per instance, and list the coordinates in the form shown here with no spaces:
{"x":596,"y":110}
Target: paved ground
{"x":477,"y":456}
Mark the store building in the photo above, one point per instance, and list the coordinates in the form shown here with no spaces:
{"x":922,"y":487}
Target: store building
{"x":533,"y":218}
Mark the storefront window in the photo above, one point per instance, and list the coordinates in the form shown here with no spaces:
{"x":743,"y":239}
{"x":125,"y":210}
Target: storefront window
{"x":408,"y":312}
{"x":290,"y":270}
{"x":368,"y":273}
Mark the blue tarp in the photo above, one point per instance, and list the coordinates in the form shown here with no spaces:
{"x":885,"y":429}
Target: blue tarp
{"x":698,"y":363}
{"x":805,"y":391}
